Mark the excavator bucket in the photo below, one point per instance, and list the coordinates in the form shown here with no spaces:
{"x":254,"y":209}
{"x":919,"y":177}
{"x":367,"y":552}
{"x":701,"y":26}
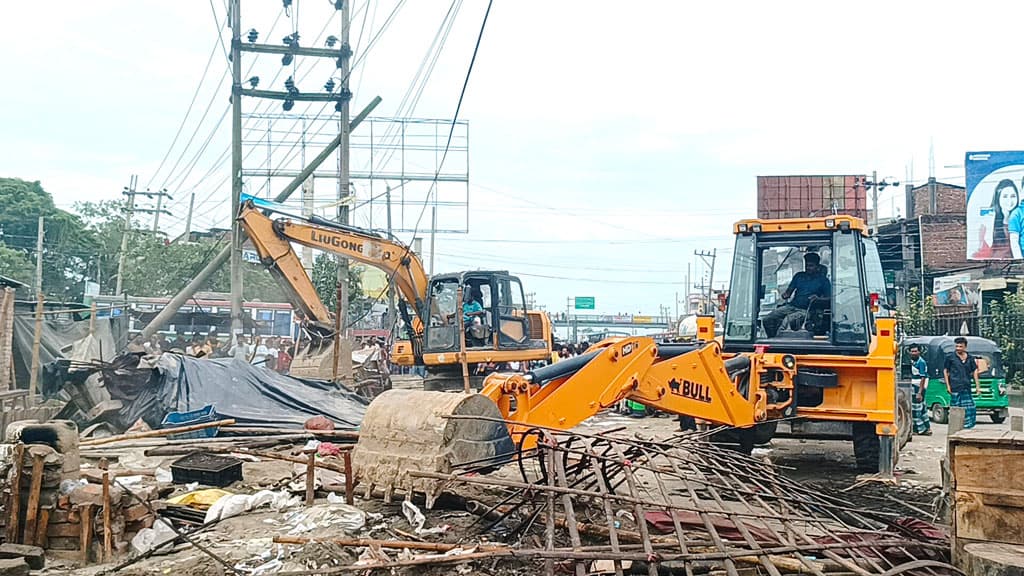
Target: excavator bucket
{"x":410,"y":430}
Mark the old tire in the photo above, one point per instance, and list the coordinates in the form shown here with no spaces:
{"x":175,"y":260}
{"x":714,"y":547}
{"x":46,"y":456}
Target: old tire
{"x":940,"y":414}
{"x":865,"y":446}
{"x":997,"y":417}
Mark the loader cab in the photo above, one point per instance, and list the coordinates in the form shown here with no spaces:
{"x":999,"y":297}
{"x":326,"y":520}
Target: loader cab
{"x":492,"y":314}
{"x":773,"y":255}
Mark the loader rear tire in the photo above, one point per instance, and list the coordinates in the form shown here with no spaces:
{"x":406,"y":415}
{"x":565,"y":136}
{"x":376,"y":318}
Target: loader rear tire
{"x":865,"y":446}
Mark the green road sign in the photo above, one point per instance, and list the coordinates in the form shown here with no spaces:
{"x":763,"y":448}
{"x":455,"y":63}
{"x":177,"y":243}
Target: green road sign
{"x":584,"y":302}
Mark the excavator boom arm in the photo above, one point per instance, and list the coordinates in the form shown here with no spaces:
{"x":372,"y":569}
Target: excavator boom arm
{"x":273,"y":238}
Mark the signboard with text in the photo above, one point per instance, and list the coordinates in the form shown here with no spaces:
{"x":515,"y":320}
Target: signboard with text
{"x":584,"y":302}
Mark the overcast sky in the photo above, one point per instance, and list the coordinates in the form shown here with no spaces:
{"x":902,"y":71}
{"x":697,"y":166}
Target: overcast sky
{"x":608,"y":140}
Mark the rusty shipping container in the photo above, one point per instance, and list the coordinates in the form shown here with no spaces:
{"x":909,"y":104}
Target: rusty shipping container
{"x":804,"y":196}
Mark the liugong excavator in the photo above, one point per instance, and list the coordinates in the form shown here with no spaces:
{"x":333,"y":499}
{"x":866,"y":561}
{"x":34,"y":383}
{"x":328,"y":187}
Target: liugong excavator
{"x":507,"y":332}
{"x":830,"y":363}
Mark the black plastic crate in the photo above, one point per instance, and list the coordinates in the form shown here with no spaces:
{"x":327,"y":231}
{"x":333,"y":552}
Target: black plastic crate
{"x":207,"y":469}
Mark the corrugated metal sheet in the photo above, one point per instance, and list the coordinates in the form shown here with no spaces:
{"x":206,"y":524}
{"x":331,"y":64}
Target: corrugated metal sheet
{"x":804,"y":196}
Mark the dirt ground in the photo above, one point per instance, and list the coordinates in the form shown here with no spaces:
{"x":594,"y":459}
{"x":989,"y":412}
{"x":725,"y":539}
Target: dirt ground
{"x":247,"y":540}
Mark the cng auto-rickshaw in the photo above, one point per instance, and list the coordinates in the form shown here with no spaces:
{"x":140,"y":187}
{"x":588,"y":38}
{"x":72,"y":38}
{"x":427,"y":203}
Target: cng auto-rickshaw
{"x":934,"y":349}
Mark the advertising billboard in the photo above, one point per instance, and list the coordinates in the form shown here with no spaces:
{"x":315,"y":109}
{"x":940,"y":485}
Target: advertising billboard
{"x":956,"y":290}
{"x":995,"y":217}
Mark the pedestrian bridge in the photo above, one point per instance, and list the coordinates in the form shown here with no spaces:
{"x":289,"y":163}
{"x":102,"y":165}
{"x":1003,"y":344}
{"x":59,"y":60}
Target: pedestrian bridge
{"x":611,"y":320}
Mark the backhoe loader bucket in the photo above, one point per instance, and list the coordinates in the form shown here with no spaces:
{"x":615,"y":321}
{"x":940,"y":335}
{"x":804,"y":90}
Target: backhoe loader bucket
{"x":406,"y":430}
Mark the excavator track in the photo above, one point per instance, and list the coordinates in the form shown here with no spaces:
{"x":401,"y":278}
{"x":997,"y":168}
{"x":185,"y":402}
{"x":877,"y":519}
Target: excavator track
{"x":406,"y":430}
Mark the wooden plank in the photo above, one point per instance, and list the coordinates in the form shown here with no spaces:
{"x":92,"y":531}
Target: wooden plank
{"x":988,"y":468}
{"x":42,"y":527}
{"x":977,"y":521}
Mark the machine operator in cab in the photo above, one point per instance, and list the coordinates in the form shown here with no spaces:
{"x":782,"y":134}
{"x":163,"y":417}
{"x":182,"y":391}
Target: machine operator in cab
{"x":804,"y":289}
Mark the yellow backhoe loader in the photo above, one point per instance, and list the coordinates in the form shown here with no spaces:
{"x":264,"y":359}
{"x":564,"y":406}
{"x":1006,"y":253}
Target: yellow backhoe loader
{"x":830,"y":360}
{"x":501,"y":330}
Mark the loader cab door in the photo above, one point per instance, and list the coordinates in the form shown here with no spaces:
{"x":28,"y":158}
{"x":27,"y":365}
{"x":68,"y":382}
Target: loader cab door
{"x":765,"y":265}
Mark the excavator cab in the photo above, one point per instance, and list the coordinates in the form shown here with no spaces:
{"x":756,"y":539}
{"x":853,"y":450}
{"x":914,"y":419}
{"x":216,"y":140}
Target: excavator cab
{"x":492,"y":316}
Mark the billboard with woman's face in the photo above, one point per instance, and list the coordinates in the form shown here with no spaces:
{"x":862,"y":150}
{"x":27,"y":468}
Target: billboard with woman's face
{"x":995,"y":219}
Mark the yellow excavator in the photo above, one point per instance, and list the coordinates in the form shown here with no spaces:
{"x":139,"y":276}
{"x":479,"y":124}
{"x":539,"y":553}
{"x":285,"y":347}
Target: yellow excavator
{"x":829,"y":360}
{"x":502,"y":330}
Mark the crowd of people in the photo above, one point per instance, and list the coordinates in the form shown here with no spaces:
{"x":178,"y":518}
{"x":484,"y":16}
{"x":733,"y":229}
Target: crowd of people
{"x":273,"y":353}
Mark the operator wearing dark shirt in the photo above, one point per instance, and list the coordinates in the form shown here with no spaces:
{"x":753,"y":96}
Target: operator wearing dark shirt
{"x":805,"y":288}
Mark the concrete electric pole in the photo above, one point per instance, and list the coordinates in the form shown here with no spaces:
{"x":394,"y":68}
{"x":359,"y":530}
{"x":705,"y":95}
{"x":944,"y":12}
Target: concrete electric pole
{"x":129,"y":191}
{"x":234,"y":13}
{"x":709,"y":261}
{"x":876,"y":186}
{"x":342,"y":347}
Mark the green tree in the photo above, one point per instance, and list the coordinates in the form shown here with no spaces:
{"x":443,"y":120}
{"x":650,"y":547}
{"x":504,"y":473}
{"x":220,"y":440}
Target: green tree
{"x":14,"y":264}
{"x":325,"y":280}
{"x":70,"y":249}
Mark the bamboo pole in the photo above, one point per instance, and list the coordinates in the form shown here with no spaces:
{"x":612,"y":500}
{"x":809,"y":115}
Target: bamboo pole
{"x":156,"y":433}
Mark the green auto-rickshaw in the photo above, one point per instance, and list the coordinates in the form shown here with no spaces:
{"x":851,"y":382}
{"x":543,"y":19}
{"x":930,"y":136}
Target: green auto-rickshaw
{"x":934,"y":349}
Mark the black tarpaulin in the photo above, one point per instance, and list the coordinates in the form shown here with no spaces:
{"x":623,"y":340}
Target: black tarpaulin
{"x":252,"y":395}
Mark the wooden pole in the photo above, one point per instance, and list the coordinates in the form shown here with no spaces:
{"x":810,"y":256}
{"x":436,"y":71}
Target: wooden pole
{"x":37,"y":339}
{"x":310,"y":477}
{"x":32,"y":508}
{"x":154,"y":433}
{"x":92,"y":318}
{"x":108,"y":536}
{"x":462,"y":343}
{"x":85,"y":513}
{"x":396,"y":544}
{"x":15,"y":507}
{"x":347,"y":457}
{"x":41,"y":526}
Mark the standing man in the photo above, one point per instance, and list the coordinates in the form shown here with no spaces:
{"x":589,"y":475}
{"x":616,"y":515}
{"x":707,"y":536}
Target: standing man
{"x":959,"y":370}
{"x":919,"y":374}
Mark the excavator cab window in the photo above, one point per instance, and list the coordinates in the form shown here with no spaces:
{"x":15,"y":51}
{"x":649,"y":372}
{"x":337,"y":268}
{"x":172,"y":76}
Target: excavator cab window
{"x":513,"y":324}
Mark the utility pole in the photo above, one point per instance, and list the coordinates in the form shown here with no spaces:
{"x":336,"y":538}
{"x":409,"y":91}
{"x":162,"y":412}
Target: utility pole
{"x":392,"y":320}
{"x":876,"y":186}
{"x":234,"y":9}
{"x":433,"y":229}
{"x":343,"y":353}
{"x":188,"y":221}
{"x":308,"y":196}
{"x":39,"y":257}
{"x":159,"y":207}
{"x":709,"y":261}
{"x":129,"y":191}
